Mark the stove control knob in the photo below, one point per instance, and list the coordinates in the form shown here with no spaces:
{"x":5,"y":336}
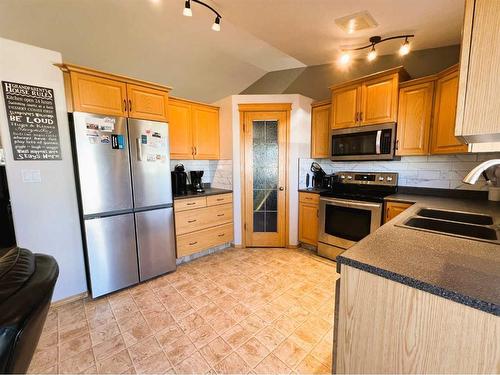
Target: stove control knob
{"x":389,"y":179}
{"x":342,"y":177}
{"x":382,"y":179}
{"x":349,"y":177}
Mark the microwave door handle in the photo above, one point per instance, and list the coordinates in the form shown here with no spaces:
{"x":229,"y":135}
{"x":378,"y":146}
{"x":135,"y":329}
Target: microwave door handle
{"x":377,"y":142}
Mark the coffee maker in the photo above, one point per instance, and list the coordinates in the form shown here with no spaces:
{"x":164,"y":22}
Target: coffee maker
{"x":179,"y":180}
{"x":196,"y":183}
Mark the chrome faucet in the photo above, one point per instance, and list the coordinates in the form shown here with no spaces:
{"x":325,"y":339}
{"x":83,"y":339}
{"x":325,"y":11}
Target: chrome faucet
{"x":491,"y":171}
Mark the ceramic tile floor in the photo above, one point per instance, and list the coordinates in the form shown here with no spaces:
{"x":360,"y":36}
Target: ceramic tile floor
{"x":236,"y":311}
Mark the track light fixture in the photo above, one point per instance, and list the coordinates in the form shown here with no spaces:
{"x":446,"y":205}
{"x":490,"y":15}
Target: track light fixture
{"x":188,"y":13}
{"x":374,"y":40}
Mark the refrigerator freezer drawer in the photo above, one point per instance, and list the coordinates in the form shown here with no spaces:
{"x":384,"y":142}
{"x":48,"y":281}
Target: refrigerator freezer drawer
{"x":111,"y":252}
{"x":156,"y":242}
{"x":194,"y":242}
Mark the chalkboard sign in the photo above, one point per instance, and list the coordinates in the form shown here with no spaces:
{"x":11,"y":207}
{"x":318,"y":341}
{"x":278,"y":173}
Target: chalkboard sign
{"x":31,"y":115}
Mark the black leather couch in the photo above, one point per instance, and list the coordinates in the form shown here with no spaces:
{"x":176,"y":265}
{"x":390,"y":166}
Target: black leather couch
{"x":27,"y":282}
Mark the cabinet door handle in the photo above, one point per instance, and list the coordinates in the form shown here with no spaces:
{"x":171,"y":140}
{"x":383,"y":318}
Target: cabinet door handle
{"x":397,"y":144}
{"x":360,"y":116}
{"x":195,"y":151}
{"x":192,"y":221}
{"x":221,"y":235}
{"x":356,"y":117}
{"x":130,"y":105}
{"x":190,"y":203}
{"x":193,"y":243}
{"x":219,"y":215}
{"x":124,"y":105}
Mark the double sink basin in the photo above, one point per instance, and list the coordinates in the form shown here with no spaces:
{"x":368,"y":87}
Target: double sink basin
{"x":455,"y":223}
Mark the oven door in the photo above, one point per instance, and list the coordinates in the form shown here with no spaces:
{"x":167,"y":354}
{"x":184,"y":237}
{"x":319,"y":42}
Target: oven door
{"x":343,"y":222}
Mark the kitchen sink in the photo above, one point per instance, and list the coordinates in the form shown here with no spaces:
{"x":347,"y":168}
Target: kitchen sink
{"x":462,"y":217}
{"x":452,"y":227}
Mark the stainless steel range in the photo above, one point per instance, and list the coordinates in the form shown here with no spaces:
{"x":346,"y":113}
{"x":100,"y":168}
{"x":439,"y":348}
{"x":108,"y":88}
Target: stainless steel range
{"x":352,"y":209}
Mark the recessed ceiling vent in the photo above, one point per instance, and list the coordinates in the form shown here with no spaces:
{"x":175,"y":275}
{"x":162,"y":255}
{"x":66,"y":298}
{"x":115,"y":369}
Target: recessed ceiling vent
{"x":356,"y":22}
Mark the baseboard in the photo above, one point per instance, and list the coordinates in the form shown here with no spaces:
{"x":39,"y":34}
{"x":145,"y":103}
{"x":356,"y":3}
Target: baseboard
{"x":238,"y":246}
{"x":293,"y":246}
{"x":70,"y":299}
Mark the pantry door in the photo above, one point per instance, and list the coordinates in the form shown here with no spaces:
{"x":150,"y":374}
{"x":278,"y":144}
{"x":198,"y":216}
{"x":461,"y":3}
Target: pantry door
{"x":264,"y":141}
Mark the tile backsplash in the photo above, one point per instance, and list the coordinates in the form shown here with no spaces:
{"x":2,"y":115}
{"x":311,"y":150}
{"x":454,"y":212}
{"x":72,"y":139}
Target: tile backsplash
{"x":217,"y":172}
{"x":435,"y":171}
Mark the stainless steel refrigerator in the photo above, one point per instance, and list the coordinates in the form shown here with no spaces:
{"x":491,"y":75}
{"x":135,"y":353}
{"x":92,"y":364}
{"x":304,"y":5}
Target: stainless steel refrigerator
{"x":123,"y":173}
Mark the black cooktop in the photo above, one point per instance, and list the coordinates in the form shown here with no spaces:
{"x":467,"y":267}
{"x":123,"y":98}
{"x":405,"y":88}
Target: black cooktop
{"x":370,"y":187}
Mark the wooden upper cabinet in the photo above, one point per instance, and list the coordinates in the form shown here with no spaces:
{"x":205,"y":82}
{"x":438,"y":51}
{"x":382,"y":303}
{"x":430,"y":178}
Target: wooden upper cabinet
{"x":443,"y":140}
{"x":368,"y":100}
{"x":414,"y":117}
{"x":345,"y":103}
{"x":478,"y":110}
{"x":320,"y":130}
{"x":98,"y":95}
{"x":93,"y":91}
{"x":379,"y":100}
{"x":180,"y":130}
{"x":205,"y":123}
{"x":146,"y":103}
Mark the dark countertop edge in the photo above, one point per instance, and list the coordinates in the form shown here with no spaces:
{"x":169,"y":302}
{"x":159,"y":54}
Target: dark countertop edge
{"x":208,"y":191}
{"x":426,"y":287}
{"x":443,"y":193}
{"x":312,"y":190}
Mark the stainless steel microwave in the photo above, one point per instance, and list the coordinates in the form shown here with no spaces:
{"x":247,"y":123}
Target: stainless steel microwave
{"x":371,"y":142}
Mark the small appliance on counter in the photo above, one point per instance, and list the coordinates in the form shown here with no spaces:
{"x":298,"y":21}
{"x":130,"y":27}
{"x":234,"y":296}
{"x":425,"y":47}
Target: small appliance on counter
{"x":318,"y":175}
{"x":196,"y":181}
{"x":179,"y":180}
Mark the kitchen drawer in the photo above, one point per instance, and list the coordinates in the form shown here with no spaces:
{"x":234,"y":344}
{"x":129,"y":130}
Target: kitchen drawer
{"x":194,"y":220}
{"x":213,"y":200}
{"x":309,"y":197}
{"x":194,"y":242}
{"x":190,"y":203}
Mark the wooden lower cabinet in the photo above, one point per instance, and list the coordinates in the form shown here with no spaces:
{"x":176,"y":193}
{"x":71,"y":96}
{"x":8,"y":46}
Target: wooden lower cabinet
{"x":385,"y":327}
{"x":393,"y":209}
{"x":191,"y":243}
{"x":308,"y":218}
{"x":203,"y":222}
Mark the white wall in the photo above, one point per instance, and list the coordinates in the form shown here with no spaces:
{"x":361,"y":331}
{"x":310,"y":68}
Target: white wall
{"x":300,"y":135}
{"x":45,"y":213}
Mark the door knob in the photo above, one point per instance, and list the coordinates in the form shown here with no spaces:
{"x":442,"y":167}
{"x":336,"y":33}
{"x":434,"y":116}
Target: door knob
{"x":282,"y":188}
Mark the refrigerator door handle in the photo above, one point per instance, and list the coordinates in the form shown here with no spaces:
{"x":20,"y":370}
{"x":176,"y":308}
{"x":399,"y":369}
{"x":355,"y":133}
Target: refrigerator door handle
{"x":139,"y":148}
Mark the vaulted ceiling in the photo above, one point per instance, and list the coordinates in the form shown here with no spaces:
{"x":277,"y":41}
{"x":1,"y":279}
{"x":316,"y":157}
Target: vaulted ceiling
{"x":151,"y":40}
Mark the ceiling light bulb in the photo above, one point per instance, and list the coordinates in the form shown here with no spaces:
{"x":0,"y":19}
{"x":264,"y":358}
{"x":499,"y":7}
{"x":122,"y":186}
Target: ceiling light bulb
{"x":405,"y":48}
{"x":187,"y":9}
{"x":216,"y":25}
{"x":345,"y":58}
{"x":372,"y":55}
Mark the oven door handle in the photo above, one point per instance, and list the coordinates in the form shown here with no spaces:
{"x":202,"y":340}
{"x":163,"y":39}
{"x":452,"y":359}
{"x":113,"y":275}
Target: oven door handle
{"x":377,"y":142}
{"x":352,"y":204}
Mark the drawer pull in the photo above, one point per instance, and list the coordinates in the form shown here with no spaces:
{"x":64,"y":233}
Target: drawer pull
{"x":193,"y":243}
{"x":191,"y":221}
{"x":221,"y":235}
{"x":219,"y":215}
{"x":190,"y":203}
{"x":220,"y":199}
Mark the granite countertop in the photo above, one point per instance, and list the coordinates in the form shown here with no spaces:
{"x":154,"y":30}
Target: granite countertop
{"x":208,"y":191}
{"x":313,"y":190}
{"x":462,"y":270}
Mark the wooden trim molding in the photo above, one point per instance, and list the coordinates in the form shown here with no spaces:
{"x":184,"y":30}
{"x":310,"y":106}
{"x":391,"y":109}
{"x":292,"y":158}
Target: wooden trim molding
{"x":418,"y":81}
{"x":400,"y":70}
{"x":265,"y":107}
{"x":320,"y":103}
{"x":188,"y":101}
{"x":66,"y":67}
{"x":68,"y":300}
